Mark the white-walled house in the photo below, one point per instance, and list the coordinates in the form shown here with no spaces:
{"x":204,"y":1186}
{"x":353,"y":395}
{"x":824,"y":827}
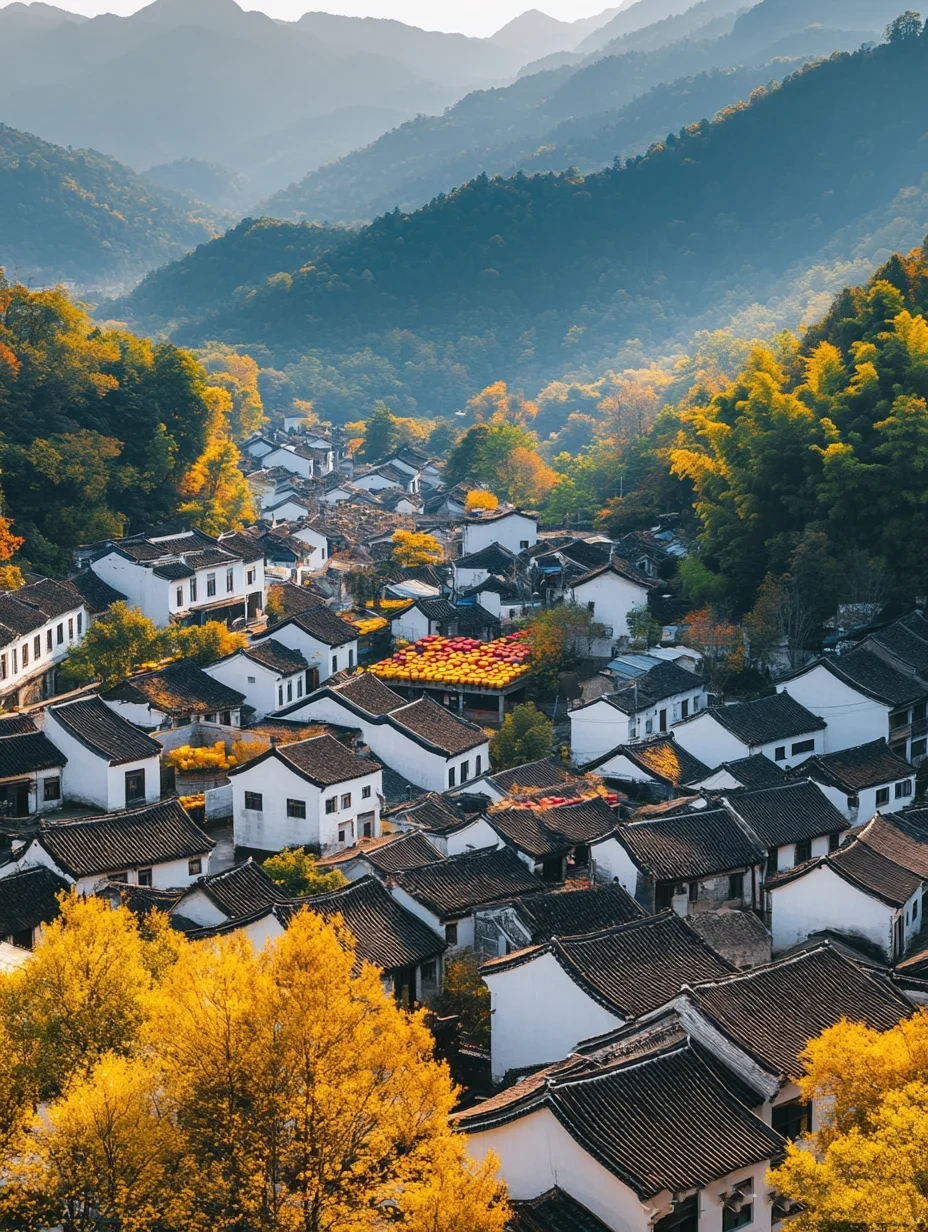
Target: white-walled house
{"x":474,"y":568}
{"x":862,"y":698}
{"x":861,"y":780}
{"x":425,"y":617}
{"x":31,"y":769}
{"x":546,"y":998}
{"x":310,"y":533}
{"x":657,"y":763}
{"x":793,"y":822}
{"x":110,"y":763}
{"x":186,"y":576}
{"x":39,"y":624}
{"x":609,"y":593}
{"x":327,"y":643}
{"x":511,"y":528}
{"x":778,"y":726}
{"x":175,"y":696}
{"x":420,"y":740}
{"x":232,"y":894}
{"x":157,"y":845}
{"x":267,"y":674}
{"x":312,"y":792}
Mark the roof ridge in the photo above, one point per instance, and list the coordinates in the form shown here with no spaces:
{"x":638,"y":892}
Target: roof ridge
{"x":774,"y":964}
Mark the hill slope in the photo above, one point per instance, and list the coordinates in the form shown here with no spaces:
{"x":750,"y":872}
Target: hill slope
{"x":79,"y":216}
{"x":524,"y":277}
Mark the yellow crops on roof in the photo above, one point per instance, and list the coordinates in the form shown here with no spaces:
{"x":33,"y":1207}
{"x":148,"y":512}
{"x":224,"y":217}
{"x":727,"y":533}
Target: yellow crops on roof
{"x":459,"y":661}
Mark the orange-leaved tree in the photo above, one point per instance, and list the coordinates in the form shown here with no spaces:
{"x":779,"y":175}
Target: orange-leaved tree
{"x":412,"y":549}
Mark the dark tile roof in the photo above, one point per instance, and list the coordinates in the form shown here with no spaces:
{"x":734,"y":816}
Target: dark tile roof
{"x":437,"y":609}
{"x":453,"y":887}
{"x":385,"y":933}
{"x":554,"y":1211}
{"x":433,"y":812}
{"x":869,"y":869}
{"x":180,"y":688}
{"x":662,"y":758}
{"x":850,"y":770}
{"x":322,"y":624}
{"x":97,"y":594}
{"x":567,"y":913}
{"x":631,"y":968}
{"x":548,"y":772}
{"x":276,"y":656}
{"x":32,"y":606}
{"x":439,"y":727}
{"x":16,"y":724}
{"x":684,"y":847}
{"x":660,"y":1122}
{"x":369,"y":694}
{"x":293,"y":599}
{"x":27,"y":753}
{"x":238,"y":891}
{"x":407,"y":851}
{"x":900,"y":837}
{"x":754,"y":771}
{"x":730,"y":931}
{"x":617,"y":566}
{"x":494,"y":556}
{"x":29,"y":898}
{"x":136,"y":838}
{"x":541,"y":832}
{"x":773,"y":1011}
{"x":791,"y":812}
{"x":174,"y":570}
{"x":322,"y":760}
{"x":902,"y":644}
{"x":874,"y":677}
{"x":141,"y":900}
{"x":242,"y":544}
{"x":91,"y":721}
{"x":766,"y":719}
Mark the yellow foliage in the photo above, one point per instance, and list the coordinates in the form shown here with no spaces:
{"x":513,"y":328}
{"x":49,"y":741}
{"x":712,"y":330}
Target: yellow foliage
{"x":479,"y":499}
{"x":204,"y":760}
{"x":412,"y":549}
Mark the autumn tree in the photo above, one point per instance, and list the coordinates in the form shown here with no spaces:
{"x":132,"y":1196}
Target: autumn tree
{"x":217,"y":495}
{"x":114,"y":646}
{"x":412,"y":549}
{"x":478,"y":500}
{"x":498,"y":403}
{"x":294,"y":870}
{"x":720,"y":642}
{"x":11,"y":577}
{"x":526,"y":735}
{"x":466,"y":997}
{"x":238,"y":376}
{"x":558,"y":636}
{"x":204,"y":643}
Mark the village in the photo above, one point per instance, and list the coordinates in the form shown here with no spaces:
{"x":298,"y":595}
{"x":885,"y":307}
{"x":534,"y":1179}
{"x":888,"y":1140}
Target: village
{"x":656,"y":913}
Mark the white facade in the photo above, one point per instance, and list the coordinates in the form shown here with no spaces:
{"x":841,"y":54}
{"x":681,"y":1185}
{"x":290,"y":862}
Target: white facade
{"x":852,"y":717}
{"x":283,"y":795}
{"x":283,"y":508}
{"x":88,"y":778}
{"x":822,"y":900}
{"x":25,"y":660}
{"x":786,"y":855}
{"x":166,"y":876}
{"x":598,"y":727}
{"x":413,"y":624}
{"x":265,"y":689}
{"x":714,"y":744}
{"x":286,"y":457}
{"x":884,"y":797}
{"x":609,"y":598}
{"x":163,"y":599}
{"x":538,"y":1014}
{"x":315,"y":539}
{"x":326,"y":660}
{"x":515,"y":531}
{"x":475,"y":837}
{"x":463,"y":926}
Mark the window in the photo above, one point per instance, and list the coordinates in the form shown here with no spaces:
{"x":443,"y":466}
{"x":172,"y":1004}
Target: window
{"x":803,"y":746}
{"x":254,"y":800}
{"x":195,"y":866}
{"x":180,"y":596}
{"x":695,"y":704}
{"x":465,"y":771}
{"x":70,"y":628}
{"x":37,"y":646}
{"x":451,"y":934}
{"x":779,"y":753}
{"x":296,"y":808}
{"x":14,"y":654}
{"x":773,"y":860}
{"x":144,"y":876}
{"x":346,"y":800}
{"x":59,"y":635}
{"x":792,"y":1120}
{"x":684,"y":710}
{"x":649,"y":726}
{"x":451,"y":776}
{"x":803,"y":850}
{"x":897,"y":719}
{"x":429,"y":972}
{"x":122,"y":877}
{"x":882,"y":796}
{"x":834,"y":842}
{"x":226,"y":718}
{"x":919,"y":748}
{"x":903,"y":789}
{"x":25,"y":655}
{"x":193,"y":590}
{"x":478,"y":765}
{"x":251,"y":680}
{"x":331,"y":805}
{"x":299,"y":687}
{"x":80,"y":623}
{"x":737,"y":1217}
{"x":853,"y":803}
{"x":250,"y":577}
{"x":135,"y":787}
{"x":915,"y":910}
{"x":210,"y":585}
{"x":591,"y":608}
{"x":366,"y":824}
{"x":48,"y":640}
{"x":289,"y":690}
{"x":280,"y":695}
{"x":230,"y":581}
{"x":365,"y":793}
{"x":51,"y":789}
{"x":350,"y":657}
{"x":3,"y":672}
{"x":693,"y":892}
{"x":736,"y":886}
{"x":334,"y":664}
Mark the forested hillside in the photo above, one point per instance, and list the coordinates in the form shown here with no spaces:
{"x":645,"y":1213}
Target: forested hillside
{"x":80,"y":216}
{"x":425,"y":309}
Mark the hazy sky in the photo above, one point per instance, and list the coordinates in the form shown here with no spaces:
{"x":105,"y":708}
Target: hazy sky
{"x":477,"y":17}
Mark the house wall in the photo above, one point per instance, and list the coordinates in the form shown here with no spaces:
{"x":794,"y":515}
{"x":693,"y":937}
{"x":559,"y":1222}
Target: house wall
{"x":289,"y":461}
{"x":89,"y":779}
{"x":786,"y":855}
{"x":327,"y":659}
{"x":261,"y":686}
{"x":609,"y":861}
{"x":289,"y":510}
{"x":709,"y":741}
{"x":475,"y":837}
{"x":823,"y":900}
{"x":166,"y":876}
{"x":612,"y":597}
{"x":852,"y":717}
{"x":514,"y":533}
{"x":465,"y":578}
{"x":595,"y":729}
{"x":465,"y":925}
{"x":198,"y":907}
{"x":374,"y":482}
{"x":621,"y":768}
{"x":867,"y":798}
{"x":410,"y":625}
{"x":152,"y":595}
{"x":270,"y":829}
{"x":539,"y":1015}
{"x":307,"y":534}
{"x":22,"y":684}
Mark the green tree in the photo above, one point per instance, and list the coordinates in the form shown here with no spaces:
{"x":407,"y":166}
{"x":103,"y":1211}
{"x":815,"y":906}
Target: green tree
{"x":643,"y":629}
{"x":558,"y":636}
{"x":907,"y":25}
{"x":526,"y":735}
{"x":381,"y":435}
{"x":114,"y":646}
{"x":294,"y":870}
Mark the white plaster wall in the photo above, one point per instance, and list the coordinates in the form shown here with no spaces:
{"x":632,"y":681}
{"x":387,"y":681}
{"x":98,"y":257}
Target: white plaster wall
{"x":152,"y":595}
{"x":465,"y":578}
{"x":316,"y":653}
{"x":477,"y":836}
{"x":289,"y":461}
{"x":167,"y":876}
{"x":116,"y":782}
{"x":595,"y":729}
{"x":852,"y":718}
{"x":410,"y":625}
{"x":258,"y":683}
{"x":709,"y":741}
{"x":511,"y":532}
{"x":823,"y":900}
{"x":307,"y":534}
{"x":611,"y":862}
{"x":612,"y":597}
{"x":39,"y":665}
{"x":465,"y":925}
{"x":139,"y":713}
{"x":539,"y":1015}
{"x":89,"y":779}
{"x":202,"y":910}
{"x":290,"y":510}
{"x":620,"y":767}
{"x":786,"y":855}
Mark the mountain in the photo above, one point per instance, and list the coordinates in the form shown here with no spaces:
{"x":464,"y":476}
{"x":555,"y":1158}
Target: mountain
{"x":629,"y":19}
{"x":224,"y":268}
{"x":211,"y":183}
{"x":499,"y":131}
{"x":79,"y":216}
{"x":523,"y":278}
